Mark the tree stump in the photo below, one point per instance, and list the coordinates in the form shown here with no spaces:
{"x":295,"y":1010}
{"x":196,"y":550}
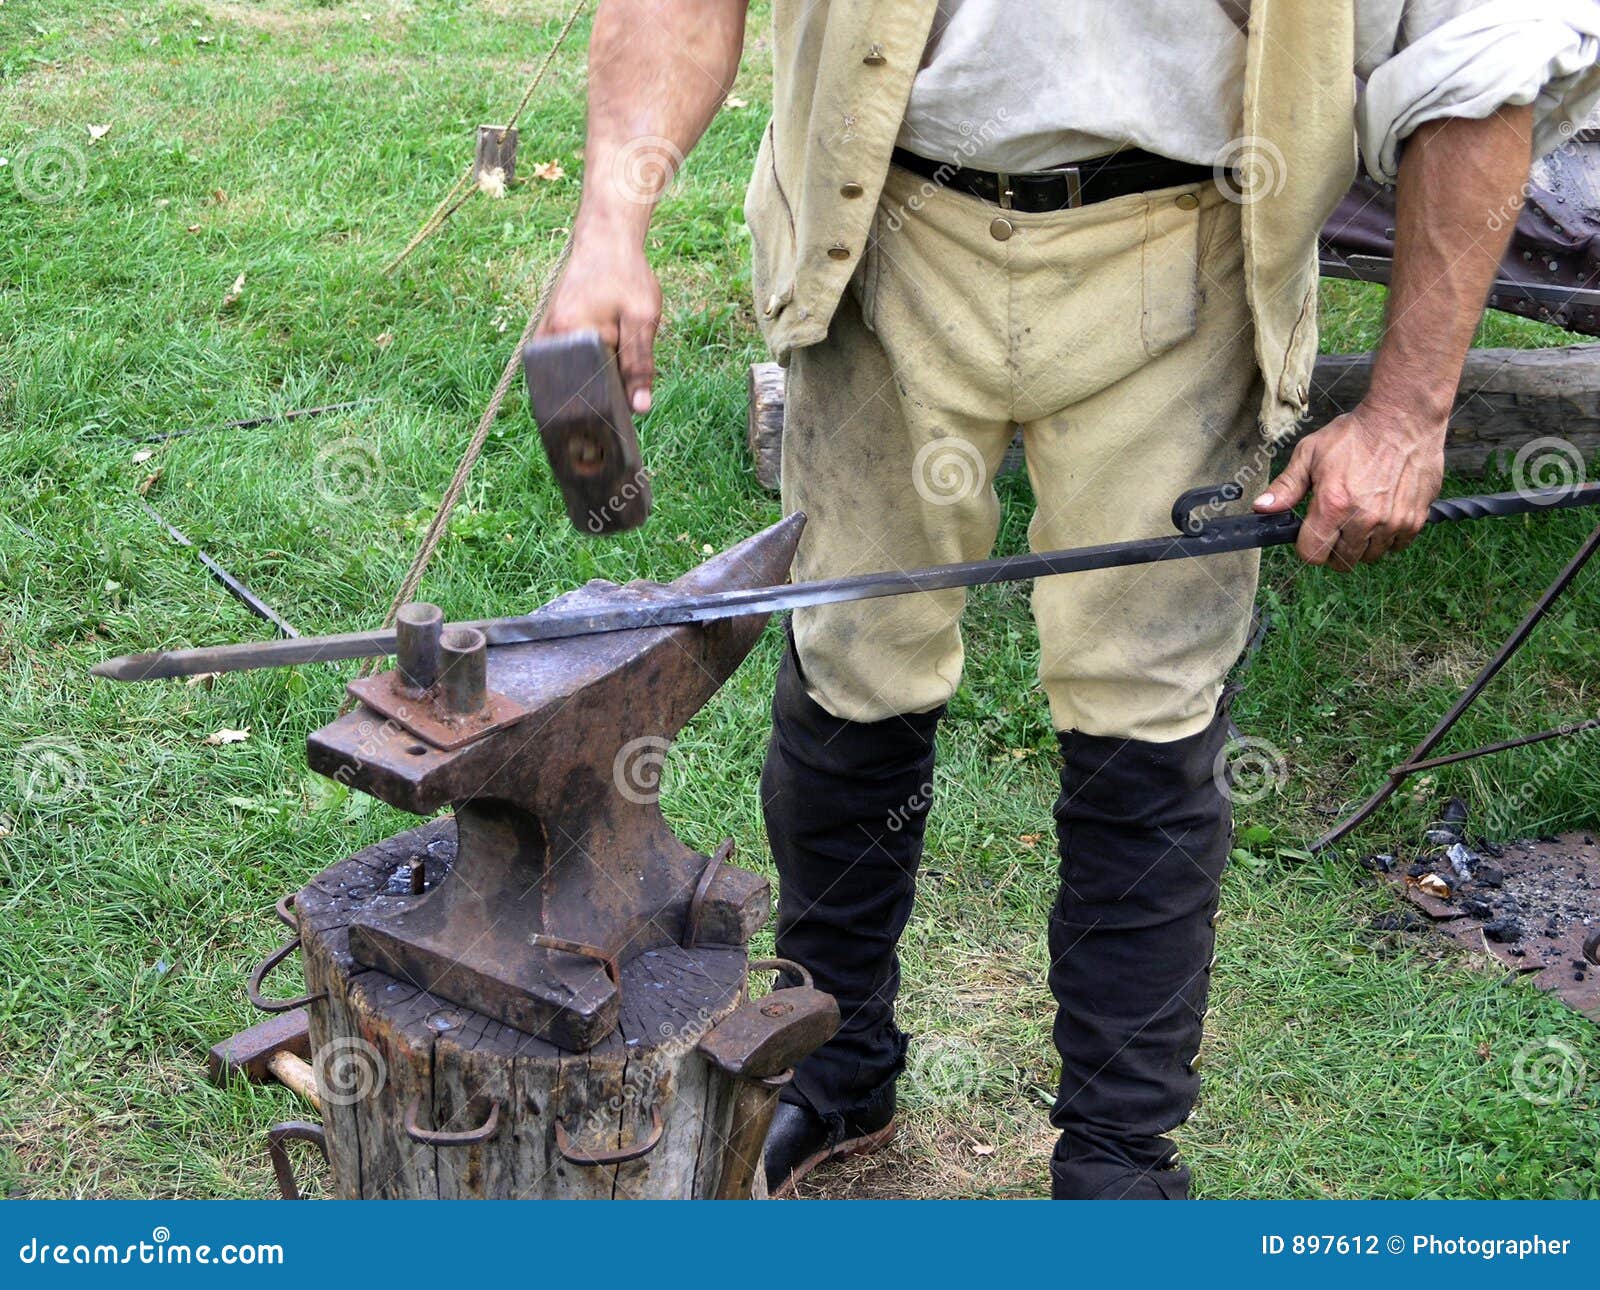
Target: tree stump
{"x":426,"y":1098}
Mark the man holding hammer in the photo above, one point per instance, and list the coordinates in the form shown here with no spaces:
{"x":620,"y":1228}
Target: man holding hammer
{"x":1096,"y":221}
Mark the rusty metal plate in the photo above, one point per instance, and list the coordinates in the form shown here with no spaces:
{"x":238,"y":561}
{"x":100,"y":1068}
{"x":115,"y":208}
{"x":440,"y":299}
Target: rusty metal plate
{"x":386,"y":696}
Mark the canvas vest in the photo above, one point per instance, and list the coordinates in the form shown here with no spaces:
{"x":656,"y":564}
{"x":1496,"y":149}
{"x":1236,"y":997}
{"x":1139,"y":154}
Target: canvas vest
{"x":841,"y":79}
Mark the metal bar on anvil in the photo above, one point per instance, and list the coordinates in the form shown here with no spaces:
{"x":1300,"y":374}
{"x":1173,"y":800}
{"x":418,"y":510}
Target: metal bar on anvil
{"x":557,"y":623}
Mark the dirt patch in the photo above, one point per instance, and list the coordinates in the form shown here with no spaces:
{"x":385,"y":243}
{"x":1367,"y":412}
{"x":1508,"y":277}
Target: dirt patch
{"x":1532,"y":904}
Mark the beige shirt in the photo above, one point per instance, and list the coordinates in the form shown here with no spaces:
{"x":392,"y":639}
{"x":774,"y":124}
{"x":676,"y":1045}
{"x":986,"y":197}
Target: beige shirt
{"x":1015,"y":86}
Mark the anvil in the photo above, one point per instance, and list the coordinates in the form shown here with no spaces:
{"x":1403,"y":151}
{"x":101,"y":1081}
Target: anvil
{"x":550,"y":754}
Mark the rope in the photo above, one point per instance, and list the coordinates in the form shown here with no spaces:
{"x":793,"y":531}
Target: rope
{"x":561,"y":39}
{"x":469,"y":458}
{"x":461,"y":191}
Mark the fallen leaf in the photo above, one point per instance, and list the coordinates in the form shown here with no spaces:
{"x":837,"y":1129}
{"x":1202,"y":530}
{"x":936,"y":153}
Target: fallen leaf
{"x":982,"y":1149}
{"x":149,"y":482}
{"x":98,"y":132}
{"x":383,"y":340}
{"x":193,"y":228}
{"x":219,"y":197}
{"x":735,"y":102}
{"x":205,"y":679}
{"x":232,"y":298}
{"x":143,"y":455}
{"x":220,"y":737}
{"x":1029,"y":840}
{"x":550,"y":171}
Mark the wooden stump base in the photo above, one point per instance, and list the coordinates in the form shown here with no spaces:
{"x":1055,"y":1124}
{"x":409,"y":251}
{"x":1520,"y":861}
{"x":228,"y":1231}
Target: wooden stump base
{"x":425,"y":1098}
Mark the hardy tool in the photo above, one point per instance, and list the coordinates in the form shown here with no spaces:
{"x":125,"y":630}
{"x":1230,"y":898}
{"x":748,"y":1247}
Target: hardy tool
{"x":1195,"y":515}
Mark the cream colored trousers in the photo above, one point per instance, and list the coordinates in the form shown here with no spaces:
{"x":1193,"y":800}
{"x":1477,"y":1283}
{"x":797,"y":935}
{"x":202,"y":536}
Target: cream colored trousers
{"x":1118,"y":338}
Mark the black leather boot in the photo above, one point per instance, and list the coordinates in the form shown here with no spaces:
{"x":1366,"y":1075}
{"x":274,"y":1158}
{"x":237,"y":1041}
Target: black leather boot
{"x":1145,"y":830}
{"x":846,"y":805}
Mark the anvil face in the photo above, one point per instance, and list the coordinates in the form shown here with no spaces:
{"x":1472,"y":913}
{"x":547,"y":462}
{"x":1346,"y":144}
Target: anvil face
{"x":561,"y":833}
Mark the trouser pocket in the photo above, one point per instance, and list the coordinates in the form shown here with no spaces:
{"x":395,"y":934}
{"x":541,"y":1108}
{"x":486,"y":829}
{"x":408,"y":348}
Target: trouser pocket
{"x":1171,"y":278}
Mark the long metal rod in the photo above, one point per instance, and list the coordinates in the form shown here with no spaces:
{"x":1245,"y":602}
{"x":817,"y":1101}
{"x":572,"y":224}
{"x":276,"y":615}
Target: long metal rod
{"x":250,"y":423}
{"x":257,"y":606}
{"x":1503,"y":655}
{"x":1377,"y":269}
{"x":559,"y":622}
{"x":1500,"y":746}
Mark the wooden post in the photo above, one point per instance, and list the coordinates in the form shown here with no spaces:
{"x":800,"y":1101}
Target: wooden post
{"x":1508,"y":398}
{"x":497,"y":149}
{"x":426,"y":1098}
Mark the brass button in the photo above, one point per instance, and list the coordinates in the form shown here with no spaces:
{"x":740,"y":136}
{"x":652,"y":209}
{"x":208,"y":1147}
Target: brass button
{"x":851,"y":190}
{"x":1001,"y":229}
{"x":838,"y":251}
{"x":1187,"y":201}
{"x":875,"y":57}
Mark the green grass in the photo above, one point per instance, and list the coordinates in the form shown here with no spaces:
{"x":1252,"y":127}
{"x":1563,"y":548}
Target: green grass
{"x":137,"y":878}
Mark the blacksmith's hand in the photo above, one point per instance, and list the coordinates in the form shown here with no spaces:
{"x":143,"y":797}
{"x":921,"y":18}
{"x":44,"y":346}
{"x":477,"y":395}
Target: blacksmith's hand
{"x":608,"y":286}
{"x":1371,"y":475}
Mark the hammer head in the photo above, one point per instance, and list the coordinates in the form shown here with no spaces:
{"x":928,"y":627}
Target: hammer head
{"x":249,"y":1053}
{"x":588,"y":432}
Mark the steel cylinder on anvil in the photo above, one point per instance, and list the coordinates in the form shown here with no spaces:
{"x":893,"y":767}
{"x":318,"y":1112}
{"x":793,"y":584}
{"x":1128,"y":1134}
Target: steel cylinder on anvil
{"x":561,"y":836}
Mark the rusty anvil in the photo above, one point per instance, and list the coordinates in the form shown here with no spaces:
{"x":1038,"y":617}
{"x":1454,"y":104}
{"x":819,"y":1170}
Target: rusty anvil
{"x":550,"y":753}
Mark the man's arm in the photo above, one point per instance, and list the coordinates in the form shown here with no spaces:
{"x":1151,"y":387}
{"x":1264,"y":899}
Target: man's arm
{"x":1373,"y":472}
{"x":658,"y":71}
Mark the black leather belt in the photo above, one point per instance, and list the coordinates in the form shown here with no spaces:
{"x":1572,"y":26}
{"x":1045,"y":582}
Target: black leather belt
{"x":1096,"y":180}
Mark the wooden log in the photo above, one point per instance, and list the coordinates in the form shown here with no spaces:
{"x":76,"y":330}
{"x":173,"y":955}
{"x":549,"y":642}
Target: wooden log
{"x":1508,"y":398}
{"x":496,"y":150}
{"x":383,"y":1050}
{"x":764,"y":431}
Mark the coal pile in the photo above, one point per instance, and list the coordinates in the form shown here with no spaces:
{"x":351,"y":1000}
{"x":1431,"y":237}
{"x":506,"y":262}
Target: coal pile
{"x":1531,"y":903}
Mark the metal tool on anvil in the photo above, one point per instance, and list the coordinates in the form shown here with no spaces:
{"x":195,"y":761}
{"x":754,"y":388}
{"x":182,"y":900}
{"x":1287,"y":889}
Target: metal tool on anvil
{"x":646,"y":605}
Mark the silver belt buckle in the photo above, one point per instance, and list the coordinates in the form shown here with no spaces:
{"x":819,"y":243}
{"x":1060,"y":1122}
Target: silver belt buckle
{"x":1074,"y":178}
